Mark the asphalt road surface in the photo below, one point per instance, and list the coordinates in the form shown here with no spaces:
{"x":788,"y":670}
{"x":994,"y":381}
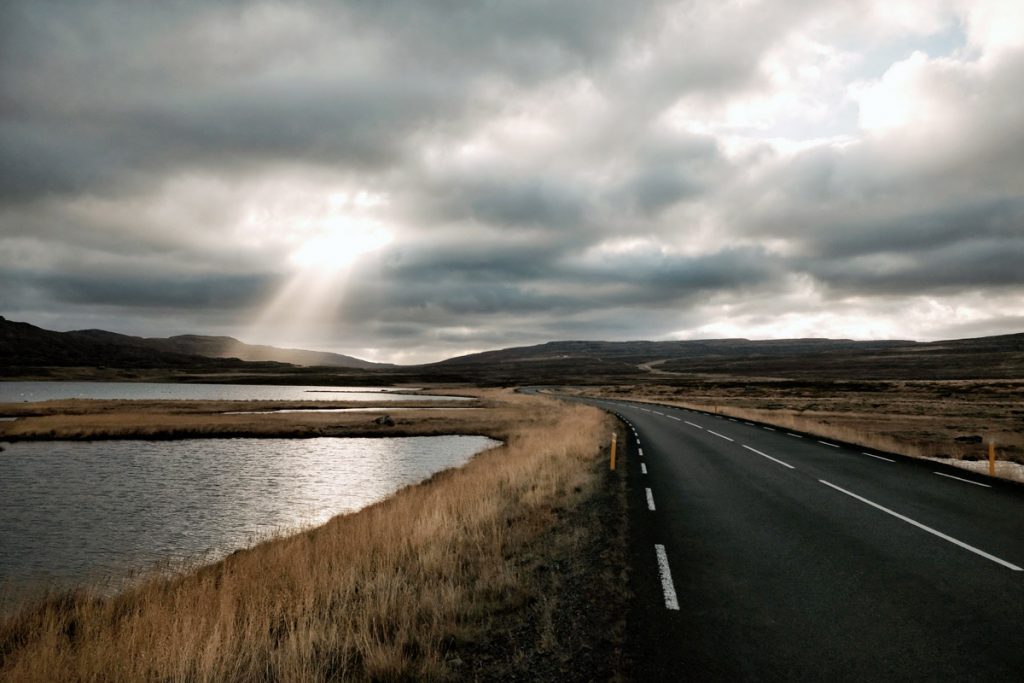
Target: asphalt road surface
{"x":759,"y":554}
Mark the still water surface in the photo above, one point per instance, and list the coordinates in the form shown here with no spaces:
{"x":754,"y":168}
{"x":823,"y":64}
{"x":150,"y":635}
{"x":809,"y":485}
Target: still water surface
{"x":17,"y":392}
{"x":75,"y":512}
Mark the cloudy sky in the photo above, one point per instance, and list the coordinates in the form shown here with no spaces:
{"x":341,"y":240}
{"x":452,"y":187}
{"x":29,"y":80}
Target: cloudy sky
{"x":409,"y":180}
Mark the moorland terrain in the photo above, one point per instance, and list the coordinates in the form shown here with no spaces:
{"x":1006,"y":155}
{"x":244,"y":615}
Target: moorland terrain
{"x":944,"y":399}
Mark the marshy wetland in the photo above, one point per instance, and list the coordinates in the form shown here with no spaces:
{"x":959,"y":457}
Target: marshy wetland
{"x":445,"y":579}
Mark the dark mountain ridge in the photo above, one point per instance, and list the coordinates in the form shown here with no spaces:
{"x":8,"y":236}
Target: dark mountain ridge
{"x":229,"y":347}
{"x":646,"y":351}
{"x":998,"y":357}
{"x":585,"y":362}
{"x":25,"y":345}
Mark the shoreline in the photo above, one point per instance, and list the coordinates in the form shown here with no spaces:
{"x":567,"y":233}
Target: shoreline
{"x":472,"y":572}
{"x":103,"y":419}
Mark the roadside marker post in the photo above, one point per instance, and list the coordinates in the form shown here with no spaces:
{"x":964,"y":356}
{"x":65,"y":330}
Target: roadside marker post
{"x":611,"y":465}
{"x":992,"y":458}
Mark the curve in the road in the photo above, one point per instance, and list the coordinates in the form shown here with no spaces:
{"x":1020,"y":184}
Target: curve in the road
{"x":764,"y":554}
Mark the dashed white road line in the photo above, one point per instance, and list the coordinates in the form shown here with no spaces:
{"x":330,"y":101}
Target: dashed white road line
{"x":732,"y":419}
{"x":693,"y":425}
{"x":826,"y":443}
{"x":878,"y":457}
{"x":966,"y":481}
{"x":643,"y":468}
{"x":765,"y":455}
{"x":908,"y":520}
{"x":667,"y":587}
{"x":650,"y":500}
{"x":673,"y":417}
{"x":720,"y":436}
{"x":768,"y":428}
{"x":794,"y":435}
{"x":748,"y":423}
{"x":657,"y":413}
{"x":641,"y":451}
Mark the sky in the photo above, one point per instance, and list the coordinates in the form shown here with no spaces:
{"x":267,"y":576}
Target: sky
{"x":405,"y":180}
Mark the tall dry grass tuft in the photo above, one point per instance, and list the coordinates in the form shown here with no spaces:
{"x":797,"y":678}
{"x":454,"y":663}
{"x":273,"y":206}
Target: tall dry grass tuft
{"x":372,"y":595}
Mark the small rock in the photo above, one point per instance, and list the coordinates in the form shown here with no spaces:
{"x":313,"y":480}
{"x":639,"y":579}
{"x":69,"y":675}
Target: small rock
{"x":385,"y":420}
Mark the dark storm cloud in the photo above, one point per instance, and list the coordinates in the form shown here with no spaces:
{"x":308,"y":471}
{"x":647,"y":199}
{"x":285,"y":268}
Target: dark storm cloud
{"x":948,"y":228}
{"x":93,"y":92}
{"x":459,"y":297}
{"x":535,"y":281}
{"x":547,"y":170}
{"x":933,"y":208}
{"x":978,"y":264}
{"x":143,"y":291}
{"x":532,"y":201}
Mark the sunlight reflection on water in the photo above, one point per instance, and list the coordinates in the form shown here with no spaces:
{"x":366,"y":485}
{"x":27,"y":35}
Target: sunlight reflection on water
{"x":76,"y":512}
{"x":16,"y":392}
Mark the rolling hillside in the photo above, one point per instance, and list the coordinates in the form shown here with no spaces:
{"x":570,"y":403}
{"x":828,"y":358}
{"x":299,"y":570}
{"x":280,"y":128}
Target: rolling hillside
{"x":25,"y":345}
{"x":997,"y":357}
{"x":228,"y":347}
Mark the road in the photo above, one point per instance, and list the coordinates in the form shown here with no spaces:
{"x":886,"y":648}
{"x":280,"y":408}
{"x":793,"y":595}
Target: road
{"x":759,"y":554}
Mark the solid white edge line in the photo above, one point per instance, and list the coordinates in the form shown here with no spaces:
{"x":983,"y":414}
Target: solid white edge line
{"x":765,"y":455}
{"x":720,"y":436}
{"x":826,"y":443}
{"x":667,"y":588}
{"x":872,"y":455}
{"x":908,"y":520}
{"x":966,"y":481}
{"x":650,"y":500}
{"x":693,"y":425}
{"x":795,"y":435}
{"x":643,"y":468}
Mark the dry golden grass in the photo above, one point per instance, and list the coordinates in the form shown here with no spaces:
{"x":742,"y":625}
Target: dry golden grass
{"x":79,"y":419}
{"x":372,"y":595}
{"x":935,"y":419}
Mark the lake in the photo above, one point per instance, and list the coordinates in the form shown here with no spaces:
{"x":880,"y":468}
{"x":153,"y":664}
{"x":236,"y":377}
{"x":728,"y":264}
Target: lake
{"x":73,"y":512}
{"x":18,"y":392}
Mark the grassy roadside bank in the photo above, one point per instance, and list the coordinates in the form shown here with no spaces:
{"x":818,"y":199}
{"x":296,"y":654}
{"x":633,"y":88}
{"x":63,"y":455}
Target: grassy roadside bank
{"x":507,"y":568}
{"x":948,"y":420}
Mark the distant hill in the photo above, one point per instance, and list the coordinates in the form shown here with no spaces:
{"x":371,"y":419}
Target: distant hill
{"x":646,"y":351}
{"x":229,"y":347}
{"x":25,"y":345}
{"x":997,"y":357}
{"x":562,"y":362}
